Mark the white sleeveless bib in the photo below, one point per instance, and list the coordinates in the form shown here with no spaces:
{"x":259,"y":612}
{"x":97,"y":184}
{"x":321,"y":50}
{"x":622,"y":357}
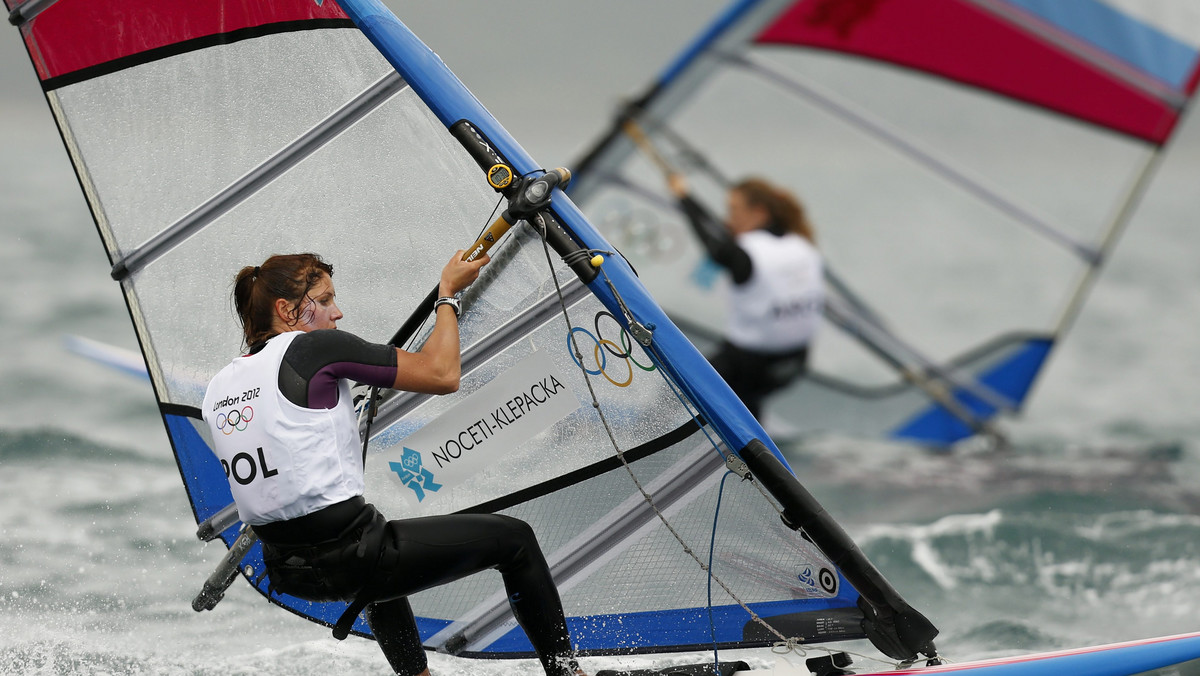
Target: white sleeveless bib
{"x":778,"y":309}
{"x":282,"y":460}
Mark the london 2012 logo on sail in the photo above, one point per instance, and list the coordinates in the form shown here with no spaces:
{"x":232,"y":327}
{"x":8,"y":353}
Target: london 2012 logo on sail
{"x":474,"y":435}
{"x":413,"y":474}
{"x":606,"y":353}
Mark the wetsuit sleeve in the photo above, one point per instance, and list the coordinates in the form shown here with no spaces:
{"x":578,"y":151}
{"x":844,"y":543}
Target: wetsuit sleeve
{"x":317,"y":360}
{"x":721,"y":246}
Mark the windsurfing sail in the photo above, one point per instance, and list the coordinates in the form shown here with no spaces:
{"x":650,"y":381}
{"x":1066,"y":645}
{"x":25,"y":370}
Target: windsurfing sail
{"x":207,"y":136}
{"x":969,"y":166}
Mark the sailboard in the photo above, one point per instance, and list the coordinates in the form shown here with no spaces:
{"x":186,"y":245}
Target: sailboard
{"x":206,"y":135}
{"x":969,"y":165}
{"x":1161,"y":656}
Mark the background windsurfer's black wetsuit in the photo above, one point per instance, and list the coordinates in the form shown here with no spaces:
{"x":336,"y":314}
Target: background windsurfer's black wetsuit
{"x":751,"y":374}
{"x":349,"y":552}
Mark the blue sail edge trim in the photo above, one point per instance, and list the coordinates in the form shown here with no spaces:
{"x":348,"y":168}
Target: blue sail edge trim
{"x":1139,"y":44}
{"x":1012,"y":378}
{"x":685,"y":628}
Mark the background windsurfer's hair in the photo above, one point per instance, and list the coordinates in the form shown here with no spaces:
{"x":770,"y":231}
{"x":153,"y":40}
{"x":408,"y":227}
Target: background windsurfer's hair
{"x":785,"y":210}
{"x":256,"y":287}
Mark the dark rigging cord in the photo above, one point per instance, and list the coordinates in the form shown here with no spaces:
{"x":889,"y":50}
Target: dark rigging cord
{"x":372,"y":401}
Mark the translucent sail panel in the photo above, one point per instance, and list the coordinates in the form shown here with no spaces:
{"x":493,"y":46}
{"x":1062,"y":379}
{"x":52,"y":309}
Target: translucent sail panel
{"x":158,"y":139}
{"x":962,"y":139}
{"x":628,"y":586}
{"x":901,"y":408}
{"x":945,"y":270}
{"x":522,"y":421}
{"x":386,"y":203}
{"x":1130,"y":72}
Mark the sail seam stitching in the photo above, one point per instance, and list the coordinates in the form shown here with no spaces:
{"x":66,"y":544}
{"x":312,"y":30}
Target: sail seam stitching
{"x":195,"y":44}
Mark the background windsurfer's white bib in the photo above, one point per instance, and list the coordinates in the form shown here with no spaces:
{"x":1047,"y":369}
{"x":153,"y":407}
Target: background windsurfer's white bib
{"x":778,"y":308}
{"x":282,"y":460}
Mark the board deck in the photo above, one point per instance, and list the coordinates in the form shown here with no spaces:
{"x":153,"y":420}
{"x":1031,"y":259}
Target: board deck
{"x":1177,"y":655}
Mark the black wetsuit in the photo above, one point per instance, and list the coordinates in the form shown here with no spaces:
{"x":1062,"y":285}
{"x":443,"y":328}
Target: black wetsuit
{"x":350,"y":552}
{"x":751,"y":374}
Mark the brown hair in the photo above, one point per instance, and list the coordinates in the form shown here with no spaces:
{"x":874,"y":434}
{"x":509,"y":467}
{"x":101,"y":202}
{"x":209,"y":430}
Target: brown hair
{"x":256,"y":288}
{"x":785,"y":211}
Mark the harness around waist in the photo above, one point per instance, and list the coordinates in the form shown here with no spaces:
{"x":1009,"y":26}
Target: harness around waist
{"x":325,"y":524}
{"x":347,"y":537}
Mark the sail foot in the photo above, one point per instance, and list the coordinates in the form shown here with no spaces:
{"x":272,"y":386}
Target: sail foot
{"x":894,"y":627}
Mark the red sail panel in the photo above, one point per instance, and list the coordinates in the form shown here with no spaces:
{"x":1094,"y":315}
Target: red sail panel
{"x":960,"y":41}
{"x":70,"y":36}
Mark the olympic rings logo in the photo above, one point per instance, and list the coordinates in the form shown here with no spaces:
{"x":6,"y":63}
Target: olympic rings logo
{"x":234,"y":420}
{"x":604,"y":348}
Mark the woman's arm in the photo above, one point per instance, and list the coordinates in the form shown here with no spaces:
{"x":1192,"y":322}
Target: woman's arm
{"x":437,"y":367}
{"x":720,"y":245}
{"x":317,"y":360}
{"x":714,"y":237}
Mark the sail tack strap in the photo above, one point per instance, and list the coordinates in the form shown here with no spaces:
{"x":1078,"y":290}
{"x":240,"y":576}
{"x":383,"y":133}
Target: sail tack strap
{"x":843,"y":110}
{"x":261,"y":176}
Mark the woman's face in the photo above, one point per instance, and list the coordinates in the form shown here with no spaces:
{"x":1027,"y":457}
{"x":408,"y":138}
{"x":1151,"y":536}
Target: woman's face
{"x":318,"y":310}
{"x":743,"y":216}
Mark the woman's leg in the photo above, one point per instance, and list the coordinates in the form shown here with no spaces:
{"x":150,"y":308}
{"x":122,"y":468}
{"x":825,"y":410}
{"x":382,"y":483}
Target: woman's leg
{"x":430,"y":551}
{"x":395,"y":630}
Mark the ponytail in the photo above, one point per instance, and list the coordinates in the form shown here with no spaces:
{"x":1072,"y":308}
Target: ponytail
{"x":257,"y":287}
{"x":785,"y":211}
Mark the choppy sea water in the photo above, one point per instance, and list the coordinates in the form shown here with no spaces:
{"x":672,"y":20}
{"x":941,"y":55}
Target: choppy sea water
{"x":1085,"y":531}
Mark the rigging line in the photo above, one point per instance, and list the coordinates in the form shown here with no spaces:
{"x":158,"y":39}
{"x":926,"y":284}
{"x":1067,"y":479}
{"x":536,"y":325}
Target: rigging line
{"x":935,"y":389}
{"x":873,"y":336}
{"x":712,"y":545}
{"x":372,"y":409}
{"x":1116,"y":228}
{"x":621,"y":455}
{"x":634,"y":131}
{"x":690,"y":151}
{"x":1114,"y":231}
{"x":261,"y":176}
{"x":843,"y":110}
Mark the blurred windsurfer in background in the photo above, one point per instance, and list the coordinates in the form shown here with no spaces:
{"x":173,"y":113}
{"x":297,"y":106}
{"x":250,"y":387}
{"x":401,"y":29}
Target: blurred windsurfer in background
{"x":769,"y":249}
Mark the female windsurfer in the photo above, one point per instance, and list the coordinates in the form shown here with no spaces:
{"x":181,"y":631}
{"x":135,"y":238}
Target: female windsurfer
{"x":768,"y":246}
{"x":295,"y":465}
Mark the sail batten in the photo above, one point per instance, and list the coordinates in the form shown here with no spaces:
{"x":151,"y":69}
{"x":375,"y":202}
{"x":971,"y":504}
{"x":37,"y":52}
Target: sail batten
{"x":259,"y":177}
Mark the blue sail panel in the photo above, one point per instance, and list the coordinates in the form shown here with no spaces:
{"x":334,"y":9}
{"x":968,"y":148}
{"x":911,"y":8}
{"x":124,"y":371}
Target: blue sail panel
{"x":680,"y":629}
{"x":1012,"y":378}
